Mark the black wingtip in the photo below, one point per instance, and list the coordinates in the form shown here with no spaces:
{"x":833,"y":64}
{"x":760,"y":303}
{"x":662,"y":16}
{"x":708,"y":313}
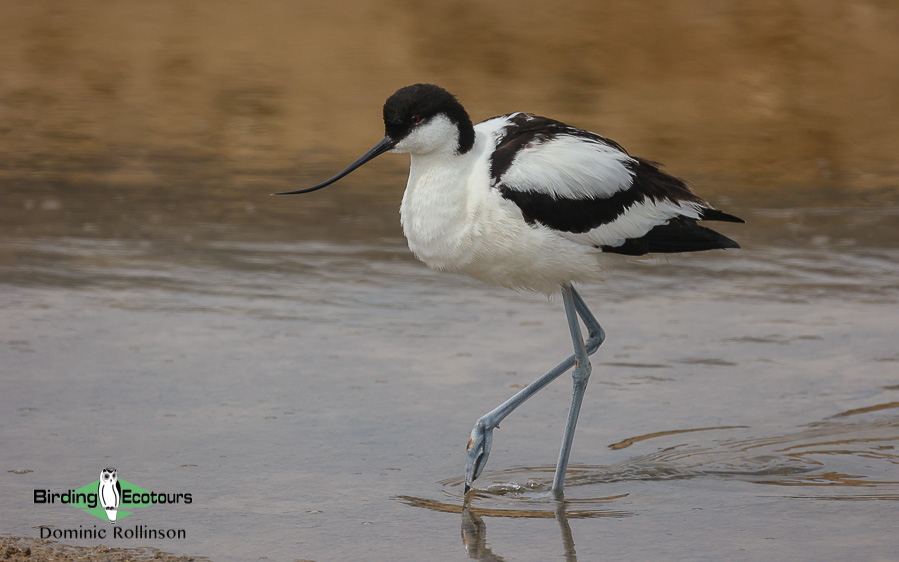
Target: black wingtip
{"x":728,"y":243}
{"x":716,"y":215}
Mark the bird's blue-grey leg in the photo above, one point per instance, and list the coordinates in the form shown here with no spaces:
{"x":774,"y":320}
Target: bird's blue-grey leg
{"x":482,"y":435}
{"x":575,"y":305}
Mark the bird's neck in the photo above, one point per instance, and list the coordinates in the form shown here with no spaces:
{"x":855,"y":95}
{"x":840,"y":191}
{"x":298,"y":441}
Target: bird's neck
{"x":434,"y":207}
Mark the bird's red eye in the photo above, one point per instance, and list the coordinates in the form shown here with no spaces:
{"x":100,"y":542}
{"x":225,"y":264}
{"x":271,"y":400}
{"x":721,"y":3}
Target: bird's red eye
{"x":416,"y":119}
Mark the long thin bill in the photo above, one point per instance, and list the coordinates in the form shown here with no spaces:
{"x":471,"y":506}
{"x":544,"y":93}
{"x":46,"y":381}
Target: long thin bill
{"x":386,"y":144}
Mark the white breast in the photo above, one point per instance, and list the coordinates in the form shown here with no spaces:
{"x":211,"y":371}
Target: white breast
{"x":434,"y":212}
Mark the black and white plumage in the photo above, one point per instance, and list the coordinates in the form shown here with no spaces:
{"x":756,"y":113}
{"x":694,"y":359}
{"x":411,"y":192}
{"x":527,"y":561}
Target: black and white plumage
{"x":598,"y":191}
{"x":528,"y":202}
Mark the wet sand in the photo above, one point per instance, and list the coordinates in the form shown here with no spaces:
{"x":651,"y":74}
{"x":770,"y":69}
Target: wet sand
{"x":24,"y":549}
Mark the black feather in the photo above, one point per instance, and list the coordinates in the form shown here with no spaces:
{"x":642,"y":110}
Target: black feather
{"x":716,"y":215}
{"x":680,"y":234}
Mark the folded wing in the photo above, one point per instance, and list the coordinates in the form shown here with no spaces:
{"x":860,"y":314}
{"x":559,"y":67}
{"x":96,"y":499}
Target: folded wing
{"x":589,"y":190}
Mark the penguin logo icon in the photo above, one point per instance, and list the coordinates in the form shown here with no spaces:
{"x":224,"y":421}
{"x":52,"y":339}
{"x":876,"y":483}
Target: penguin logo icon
{"x":110,"y":492}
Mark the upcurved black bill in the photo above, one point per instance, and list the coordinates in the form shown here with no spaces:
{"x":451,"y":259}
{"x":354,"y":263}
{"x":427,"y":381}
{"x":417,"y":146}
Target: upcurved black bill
{"x":386,"y":144}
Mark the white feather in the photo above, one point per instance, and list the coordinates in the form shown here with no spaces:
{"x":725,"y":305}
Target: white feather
{"x":635,"y":221}
{"x":437,"y":134}
{"x":569,"y":167}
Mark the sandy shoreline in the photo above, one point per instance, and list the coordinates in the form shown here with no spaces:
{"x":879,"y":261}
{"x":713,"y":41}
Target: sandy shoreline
{"x":28,"y":548}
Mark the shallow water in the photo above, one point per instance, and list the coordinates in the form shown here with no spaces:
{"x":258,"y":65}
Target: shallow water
{"x":288,"y":363}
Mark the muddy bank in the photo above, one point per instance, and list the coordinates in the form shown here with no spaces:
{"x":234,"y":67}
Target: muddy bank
{"x":28,"y":549}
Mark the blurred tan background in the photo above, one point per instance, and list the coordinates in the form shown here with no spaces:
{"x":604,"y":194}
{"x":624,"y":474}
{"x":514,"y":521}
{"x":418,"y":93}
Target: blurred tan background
{"x":800,"y":91}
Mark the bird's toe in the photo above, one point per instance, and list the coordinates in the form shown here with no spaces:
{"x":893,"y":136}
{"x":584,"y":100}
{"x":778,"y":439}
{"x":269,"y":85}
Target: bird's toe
{"x":478,"y":451}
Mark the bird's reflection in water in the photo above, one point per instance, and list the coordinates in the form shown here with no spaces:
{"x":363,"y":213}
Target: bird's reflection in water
{"x":474,"y":526}
{"x":474,"y":536}
{"x":565,"y":530}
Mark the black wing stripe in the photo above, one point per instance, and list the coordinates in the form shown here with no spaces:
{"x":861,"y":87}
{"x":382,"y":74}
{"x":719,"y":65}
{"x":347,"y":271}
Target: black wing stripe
{"x":583,"y":215}
{"x":570,"y":215}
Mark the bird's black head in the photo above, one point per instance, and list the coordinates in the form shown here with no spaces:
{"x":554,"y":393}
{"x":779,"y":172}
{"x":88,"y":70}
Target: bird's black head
{"x":413,"y":105}
{"x":407,"y":109}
